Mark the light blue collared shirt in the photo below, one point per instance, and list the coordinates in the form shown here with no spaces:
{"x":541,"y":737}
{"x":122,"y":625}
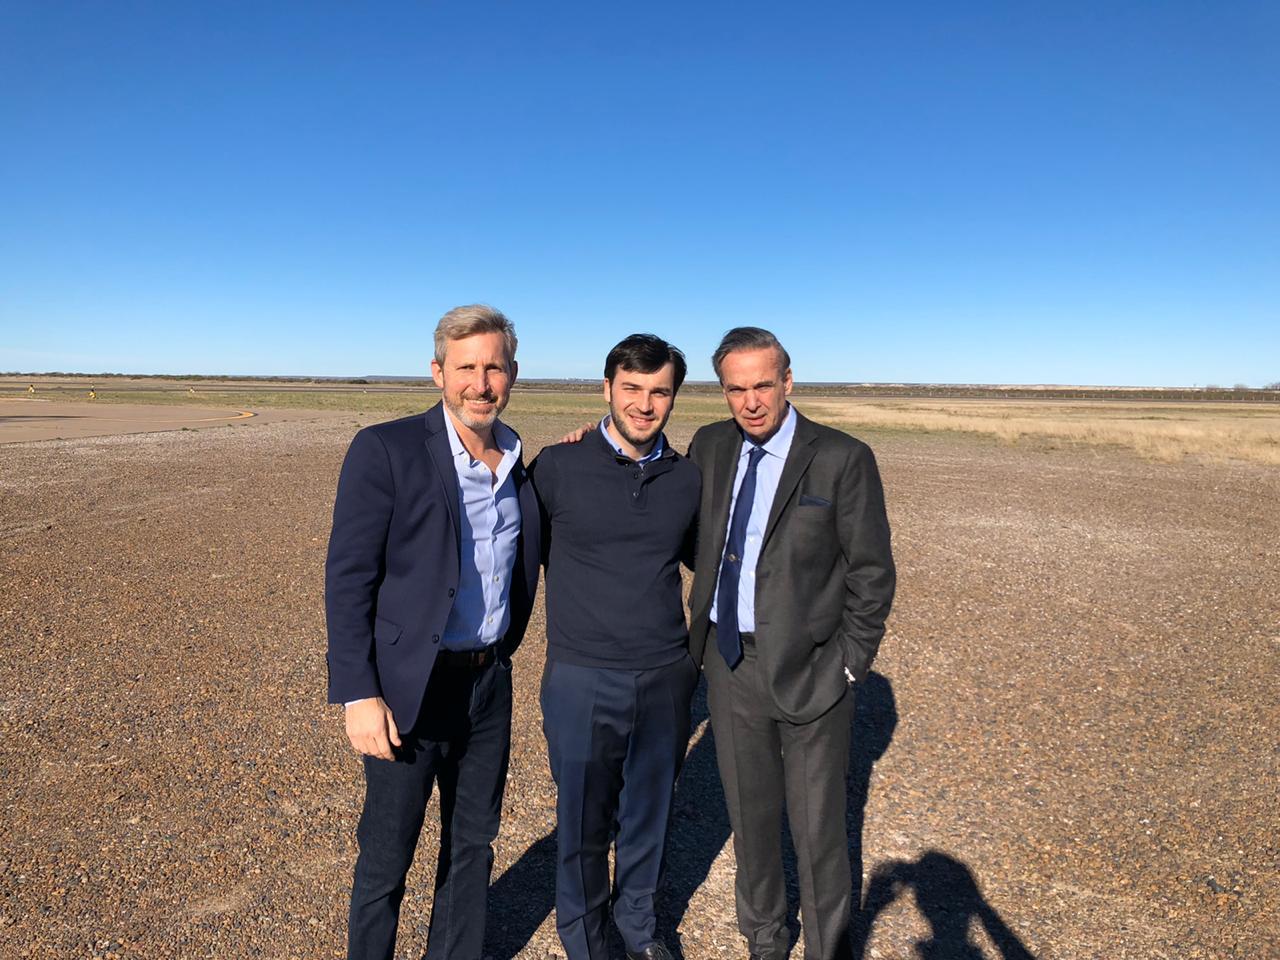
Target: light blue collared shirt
{"x":658,"y":445}
{"x":768,"y":473}
{"x":490,"y":518}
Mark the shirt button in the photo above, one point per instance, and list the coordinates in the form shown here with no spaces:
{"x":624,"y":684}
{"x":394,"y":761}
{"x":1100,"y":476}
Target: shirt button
{"x":635,"y":493}
{"x":451,"y":591}
{"x":435,"y":638}
{"x":495,"y":578}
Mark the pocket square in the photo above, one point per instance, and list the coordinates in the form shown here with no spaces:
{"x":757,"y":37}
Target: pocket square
{"x":808,"y":500}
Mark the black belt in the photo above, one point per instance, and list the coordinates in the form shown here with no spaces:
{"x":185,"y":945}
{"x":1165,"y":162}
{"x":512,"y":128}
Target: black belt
{"x":748,"y":639}
{"x":468,"y":659}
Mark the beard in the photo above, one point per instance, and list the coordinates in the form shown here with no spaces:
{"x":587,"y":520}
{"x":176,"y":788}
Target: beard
{"x":628,"y":432}
{"x":471,"y":419}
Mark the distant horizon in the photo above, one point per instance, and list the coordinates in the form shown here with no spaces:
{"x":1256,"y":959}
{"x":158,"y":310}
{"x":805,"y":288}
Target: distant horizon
{"x":421,"y":379}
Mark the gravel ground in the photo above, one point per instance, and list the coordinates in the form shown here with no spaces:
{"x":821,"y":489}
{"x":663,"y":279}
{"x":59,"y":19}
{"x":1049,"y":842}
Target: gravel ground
{"x":1069,"y":749}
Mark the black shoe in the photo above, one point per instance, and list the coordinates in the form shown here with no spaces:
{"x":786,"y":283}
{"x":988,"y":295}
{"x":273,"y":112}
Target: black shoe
{"x":654,"y":951}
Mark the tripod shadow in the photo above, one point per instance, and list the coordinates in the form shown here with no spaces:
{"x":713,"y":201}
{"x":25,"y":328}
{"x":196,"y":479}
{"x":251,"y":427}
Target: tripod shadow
{"x":947,"y":894}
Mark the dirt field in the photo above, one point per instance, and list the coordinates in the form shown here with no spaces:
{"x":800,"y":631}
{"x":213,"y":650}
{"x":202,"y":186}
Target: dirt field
{"x":23,"y":420}
{"x":1068,"y":751}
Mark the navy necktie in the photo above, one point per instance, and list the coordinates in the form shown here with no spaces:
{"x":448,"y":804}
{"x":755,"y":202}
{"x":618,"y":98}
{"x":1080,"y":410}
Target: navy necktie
{"x":727,"y":637}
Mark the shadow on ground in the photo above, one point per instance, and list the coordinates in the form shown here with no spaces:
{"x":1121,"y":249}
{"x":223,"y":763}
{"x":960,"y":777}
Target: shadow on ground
{"x":699,"y":827}
{"x":521,"y":899}
{"x":947,"y":894}
{"x":944,"y":889}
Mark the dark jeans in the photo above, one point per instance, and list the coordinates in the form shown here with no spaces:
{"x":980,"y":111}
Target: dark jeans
{"x":616,"y":740}
{"x":462,"y":740}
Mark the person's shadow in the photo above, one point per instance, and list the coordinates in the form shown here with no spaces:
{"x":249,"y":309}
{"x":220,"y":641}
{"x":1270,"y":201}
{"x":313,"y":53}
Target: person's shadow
{"x":521,"y":899}
{"x":699,"y":826}
{"x":948,"y":896}
{"x":944,"y":888}
{"x":875,"y":718}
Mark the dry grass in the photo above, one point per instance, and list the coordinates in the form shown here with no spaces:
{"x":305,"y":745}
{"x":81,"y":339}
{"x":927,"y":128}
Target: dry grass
{"x":1156,"y":431}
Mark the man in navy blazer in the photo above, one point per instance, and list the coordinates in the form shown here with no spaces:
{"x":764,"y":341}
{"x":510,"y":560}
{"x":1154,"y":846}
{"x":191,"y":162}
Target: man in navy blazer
{"x":430,"y":579}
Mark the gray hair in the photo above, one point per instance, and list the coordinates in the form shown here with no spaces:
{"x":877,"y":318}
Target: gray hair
{"x":472,"y":319}
{"x":749,"y":338}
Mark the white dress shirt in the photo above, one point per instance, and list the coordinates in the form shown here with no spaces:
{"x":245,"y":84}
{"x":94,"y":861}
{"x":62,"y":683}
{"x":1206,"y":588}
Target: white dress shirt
{"x":490,"y":519}
{"x":768,"y":473}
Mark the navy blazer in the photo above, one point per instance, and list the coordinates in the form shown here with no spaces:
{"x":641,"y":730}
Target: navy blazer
{"x":394,"y":555}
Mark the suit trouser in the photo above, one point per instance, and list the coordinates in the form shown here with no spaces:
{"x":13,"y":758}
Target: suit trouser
{"x":765,"y":762}
{"x":616,"y":740}
{"x":462,"y":739}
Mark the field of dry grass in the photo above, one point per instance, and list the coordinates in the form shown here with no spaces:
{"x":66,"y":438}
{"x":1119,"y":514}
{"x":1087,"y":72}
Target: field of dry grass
{"x":1155,"y":431}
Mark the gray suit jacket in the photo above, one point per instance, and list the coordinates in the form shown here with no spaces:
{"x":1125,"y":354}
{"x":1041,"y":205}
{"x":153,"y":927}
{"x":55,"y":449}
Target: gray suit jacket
{"x":825,"y":578}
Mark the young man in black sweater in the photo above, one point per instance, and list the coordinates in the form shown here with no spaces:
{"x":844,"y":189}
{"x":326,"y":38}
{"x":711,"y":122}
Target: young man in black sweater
{"x":619,"y":513}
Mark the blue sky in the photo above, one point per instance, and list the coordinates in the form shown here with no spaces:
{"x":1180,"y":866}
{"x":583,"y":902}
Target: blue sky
{"x":1004,"y":192}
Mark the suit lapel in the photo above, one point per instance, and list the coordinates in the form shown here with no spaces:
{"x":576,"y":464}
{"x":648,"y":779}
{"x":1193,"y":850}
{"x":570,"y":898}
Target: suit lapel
{"x":530,"y":521}
{"x":441,"y":454}
{"x":803,"y":449}
{"x":724,"y":466}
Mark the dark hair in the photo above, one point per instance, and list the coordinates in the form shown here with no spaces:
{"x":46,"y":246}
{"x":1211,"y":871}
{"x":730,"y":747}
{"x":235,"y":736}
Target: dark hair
{"x":749,"y":338}
{"x":644,"y":353}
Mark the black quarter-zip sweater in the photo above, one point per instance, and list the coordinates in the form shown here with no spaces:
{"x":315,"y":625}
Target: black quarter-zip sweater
{"x":613,"y":537}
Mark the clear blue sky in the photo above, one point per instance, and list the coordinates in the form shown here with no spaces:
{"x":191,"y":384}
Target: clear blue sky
{"x":959,"y":192}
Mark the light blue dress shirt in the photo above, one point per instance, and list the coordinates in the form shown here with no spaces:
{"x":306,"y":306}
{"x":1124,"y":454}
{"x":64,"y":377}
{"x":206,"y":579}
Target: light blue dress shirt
{"x":658,"y":446}
{"x":768,"y":473}
{"x":490,"y":517}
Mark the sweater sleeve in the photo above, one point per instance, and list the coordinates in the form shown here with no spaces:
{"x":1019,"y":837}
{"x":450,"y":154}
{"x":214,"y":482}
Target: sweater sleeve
{"x":542,"y":476}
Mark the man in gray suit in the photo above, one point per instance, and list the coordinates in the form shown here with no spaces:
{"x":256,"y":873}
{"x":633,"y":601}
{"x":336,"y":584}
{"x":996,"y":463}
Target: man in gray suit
{"x":793,"y":583}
